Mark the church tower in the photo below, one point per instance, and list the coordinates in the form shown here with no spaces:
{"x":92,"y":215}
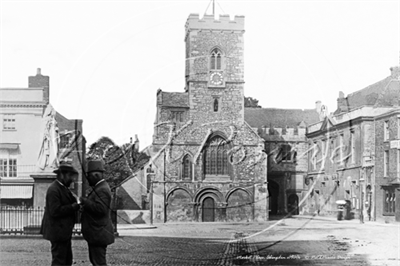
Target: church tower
{"x":210,"y":165}
{"x":214,"y":68}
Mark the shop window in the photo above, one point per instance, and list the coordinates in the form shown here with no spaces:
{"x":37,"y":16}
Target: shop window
{"x":389,"y":201}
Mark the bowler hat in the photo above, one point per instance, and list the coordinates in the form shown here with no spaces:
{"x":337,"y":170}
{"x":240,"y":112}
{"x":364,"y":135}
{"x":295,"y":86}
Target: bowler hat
{"x":95,"y":166}
{"x":66,"y":167}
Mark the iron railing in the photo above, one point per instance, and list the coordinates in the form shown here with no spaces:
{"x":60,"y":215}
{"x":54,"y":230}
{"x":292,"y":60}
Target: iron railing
{"x":24,"y":220}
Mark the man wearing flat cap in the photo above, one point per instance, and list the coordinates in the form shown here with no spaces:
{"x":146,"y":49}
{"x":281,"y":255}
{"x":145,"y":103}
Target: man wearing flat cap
{"x":97,"y":228}
{"x":60,"y":213}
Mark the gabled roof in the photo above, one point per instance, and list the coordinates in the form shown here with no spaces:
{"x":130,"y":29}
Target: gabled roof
{"x":174,"y":99}
{"x":382,"y":93}
{"x":390,"y":96}
{"x":279,"y":118}
{"x":327,"y":123}
{"x":368,"y":95}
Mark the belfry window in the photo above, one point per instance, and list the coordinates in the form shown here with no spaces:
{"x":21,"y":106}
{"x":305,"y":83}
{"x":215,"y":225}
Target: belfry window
{"x":215,"y":59}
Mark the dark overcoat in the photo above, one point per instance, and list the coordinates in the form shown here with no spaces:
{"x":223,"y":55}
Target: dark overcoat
{"x":97,"y":228}
{"x":59,"y":215}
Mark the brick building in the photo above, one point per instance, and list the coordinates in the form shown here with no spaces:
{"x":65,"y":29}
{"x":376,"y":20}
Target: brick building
{"x":284,"y":132}
{"x":384,"y":192}
{"x":208,"y":163}
{"x":343,"y":157}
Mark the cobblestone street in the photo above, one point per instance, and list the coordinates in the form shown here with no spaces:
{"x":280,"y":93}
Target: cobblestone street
{"x":293,"y":241}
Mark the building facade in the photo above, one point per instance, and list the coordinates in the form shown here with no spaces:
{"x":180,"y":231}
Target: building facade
{"x":29,"y":147}
{"x":343,"y":158}
{"x":208,"y":163}
{"x":386,"y":186}
{"x":284,"y":132}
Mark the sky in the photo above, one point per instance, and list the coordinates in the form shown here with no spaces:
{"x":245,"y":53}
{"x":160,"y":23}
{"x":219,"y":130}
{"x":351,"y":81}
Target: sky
{"x":107,"y":59}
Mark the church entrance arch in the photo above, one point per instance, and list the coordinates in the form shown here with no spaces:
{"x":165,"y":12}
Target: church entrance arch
{"x":208,"y":210}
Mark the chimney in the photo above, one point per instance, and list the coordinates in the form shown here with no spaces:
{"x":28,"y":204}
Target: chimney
{"x":136,"y":143}
{"x":40,"y":81}
{"x":342,"y":105}
{"x":318,"y":106}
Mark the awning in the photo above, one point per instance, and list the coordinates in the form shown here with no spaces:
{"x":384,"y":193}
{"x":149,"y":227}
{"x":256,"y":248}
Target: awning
{"x":16,"y":192}
{"x":9,"y":146}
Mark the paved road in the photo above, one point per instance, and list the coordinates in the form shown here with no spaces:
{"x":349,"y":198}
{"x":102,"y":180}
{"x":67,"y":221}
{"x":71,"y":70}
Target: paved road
{"x":294,"y":241}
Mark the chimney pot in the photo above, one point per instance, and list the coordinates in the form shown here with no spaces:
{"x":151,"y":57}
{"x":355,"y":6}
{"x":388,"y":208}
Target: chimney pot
{"x":318,"y":105}
{"x":38,"y":72}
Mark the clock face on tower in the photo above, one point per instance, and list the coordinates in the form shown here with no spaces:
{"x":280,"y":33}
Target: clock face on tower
{"x":216,"y":79}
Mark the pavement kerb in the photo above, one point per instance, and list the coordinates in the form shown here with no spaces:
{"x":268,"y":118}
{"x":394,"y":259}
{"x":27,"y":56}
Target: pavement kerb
{"x":353,"y":221}
{"x":135,"y":226}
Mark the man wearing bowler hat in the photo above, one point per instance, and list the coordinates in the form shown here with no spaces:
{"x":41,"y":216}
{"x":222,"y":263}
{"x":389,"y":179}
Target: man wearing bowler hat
{"x":59,"y":215}
{"x":97,"y":228}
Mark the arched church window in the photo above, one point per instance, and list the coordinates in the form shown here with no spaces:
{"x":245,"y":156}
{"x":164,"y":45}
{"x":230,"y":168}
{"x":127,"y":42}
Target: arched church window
{"x":216,"y":59}
{"x":215,"y":157}
{"x":186,"y":168}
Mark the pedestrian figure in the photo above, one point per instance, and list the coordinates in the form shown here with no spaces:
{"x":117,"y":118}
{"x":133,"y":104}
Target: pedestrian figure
{"x":97,"y":228}
{"x":60,"y":215}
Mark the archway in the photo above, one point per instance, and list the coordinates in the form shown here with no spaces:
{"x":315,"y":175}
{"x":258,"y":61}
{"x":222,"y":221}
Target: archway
{"x":239,"y":206}
{"x":293,"y":204}
{"x":273,"y":191}
{"x":208,"y":210}
{"x":179,"y":207}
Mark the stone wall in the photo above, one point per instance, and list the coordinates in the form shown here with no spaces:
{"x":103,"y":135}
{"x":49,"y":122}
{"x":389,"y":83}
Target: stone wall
{"x":202,"y":36}
{"x":240,"y":193}
{"x":231,"y":104}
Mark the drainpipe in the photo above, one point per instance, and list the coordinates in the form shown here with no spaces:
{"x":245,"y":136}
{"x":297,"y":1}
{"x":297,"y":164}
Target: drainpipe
{"x":165,"y":203}
{"x":151,"y":202}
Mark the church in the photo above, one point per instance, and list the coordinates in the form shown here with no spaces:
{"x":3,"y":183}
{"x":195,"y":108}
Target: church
{"x":208,"y":164}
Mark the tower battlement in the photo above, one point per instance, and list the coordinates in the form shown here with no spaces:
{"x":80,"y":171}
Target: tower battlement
{"x":208,"y":22}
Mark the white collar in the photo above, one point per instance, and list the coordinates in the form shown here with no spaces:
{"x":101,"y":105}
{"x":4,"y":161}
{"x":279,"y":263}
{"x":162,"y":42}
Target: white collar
{"x":62,"y":184}
{"x":99,"y":182}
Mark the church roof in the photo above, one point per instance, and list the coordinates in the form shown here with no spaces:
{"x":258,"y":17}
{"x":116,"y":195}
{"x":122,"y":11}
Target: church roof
{"x":175,"y":99}
{"x":280,"y":118}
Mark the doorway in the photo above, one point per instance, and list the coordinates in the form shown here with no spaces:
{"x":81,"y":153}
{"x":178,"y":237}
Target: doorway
{"x":273,"y":191}
{"x":208,"y":210}
{"x":293,"y":204}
